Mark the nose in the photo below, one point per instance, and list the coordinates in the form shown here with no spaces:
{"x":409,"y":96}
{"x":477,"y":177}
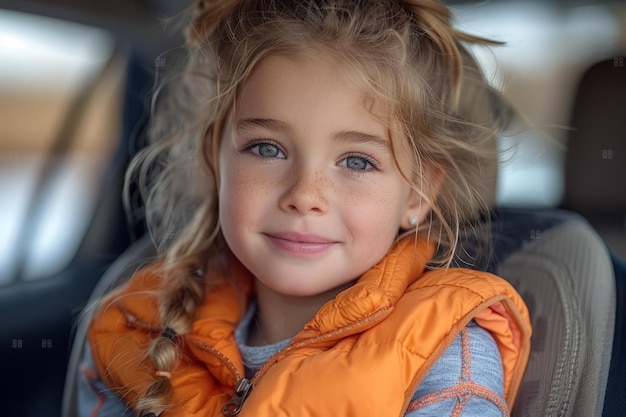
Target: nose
{"x":305,"y":192}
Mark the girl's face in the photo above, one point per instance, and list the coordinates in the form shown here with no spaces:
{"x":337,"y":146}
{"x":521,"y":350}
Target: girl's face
{"x":310,"y":196}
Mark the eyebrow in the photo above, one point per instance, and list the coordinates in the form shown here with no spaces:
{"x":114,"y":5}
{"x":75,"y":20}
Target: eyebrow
{"x":352,"y":136}
{"x":347,"y":136}
{"x":269,"y":124}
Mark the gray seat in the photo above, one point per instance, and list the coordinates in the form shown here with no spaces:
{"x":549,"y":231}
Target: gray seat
{"x":594,"y":187}
{"x":566,"y":278}
{"x":562,"y":270}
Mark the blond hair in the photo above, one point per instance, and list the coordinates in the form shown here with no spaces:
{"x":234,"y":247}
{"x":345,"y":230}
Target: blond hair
{"x":406,"y":53}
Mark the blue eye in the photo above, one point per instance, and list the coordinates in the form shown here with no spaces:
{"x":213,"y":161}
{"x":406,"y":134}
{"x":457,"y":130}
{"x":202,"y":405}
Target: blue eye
{"x":266,"y":150}
{"x":358,"y":163}
{"x":269,"y":151}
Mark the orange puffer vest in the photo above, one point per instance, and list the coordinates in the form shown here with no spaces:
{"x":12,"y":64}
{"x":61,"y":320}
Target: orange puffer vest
{"x":364,"y":353}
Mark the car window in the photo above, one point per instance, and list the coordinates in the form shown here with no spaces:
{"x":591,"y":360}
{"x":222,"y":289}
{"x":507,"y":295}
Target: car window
{"x":60,"y":100}
{"x":547,"y":49}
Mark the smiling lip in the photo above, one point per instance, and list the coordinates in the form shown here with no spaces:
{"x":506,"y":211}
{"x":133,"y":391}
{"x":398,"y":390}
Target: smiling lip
{"x":300,"y":244}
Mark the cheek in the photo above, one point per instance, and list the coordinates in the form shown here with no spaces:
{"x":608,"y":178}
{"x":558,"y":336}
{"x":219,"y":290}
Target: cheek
{"x":241,"y":197}
{"x":231,"y":199}
{"x":374,"y":215}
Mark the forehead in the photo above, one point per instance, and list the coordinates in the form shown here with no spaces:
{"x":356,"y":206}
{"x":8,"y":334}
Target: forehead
{"x":291,"y":80}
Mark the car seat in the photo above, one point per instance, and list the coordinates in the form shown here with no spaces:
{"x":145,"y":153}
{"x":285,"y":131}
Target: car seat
{"x":563,"y":271}
{"x":560,"y":267}
{"x":594,"y":175}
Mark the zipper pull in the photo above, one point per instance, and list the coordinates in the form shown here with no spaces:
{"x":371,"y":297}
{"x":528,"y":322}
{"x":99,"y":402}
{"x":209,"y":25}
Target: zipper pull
{"x":233,"y":407}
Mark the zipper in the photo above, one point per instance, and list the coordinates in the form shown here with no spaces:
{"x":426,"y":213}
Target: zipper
{"x":243,"y":389}
{"x":244,"y":386}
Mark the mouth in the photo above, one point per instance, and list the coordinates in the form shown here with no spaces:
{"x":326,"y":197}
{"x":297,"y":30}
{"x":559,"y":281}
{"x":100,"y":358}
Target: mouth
{"x":299,"y":243}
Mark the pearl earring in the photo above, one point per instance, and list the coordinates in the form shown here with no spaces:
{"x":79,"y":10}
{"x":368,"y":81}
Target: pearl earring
{"x":413,"y":220}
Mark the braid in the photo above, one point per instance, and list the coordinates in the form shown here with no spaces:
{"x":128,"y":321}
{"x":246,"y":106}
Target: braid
{"x":179,"y":303}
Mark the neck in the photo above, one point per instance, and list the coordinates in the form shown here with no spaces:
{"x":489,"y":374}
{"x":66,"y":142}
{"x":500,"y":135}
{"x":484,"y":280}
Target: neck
{"x":280,"y":317}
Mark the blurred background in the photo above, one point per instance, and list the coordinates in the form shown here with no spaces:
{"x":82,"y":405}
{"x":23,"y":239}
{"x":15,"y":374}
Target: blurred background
{"x":75,"y":82}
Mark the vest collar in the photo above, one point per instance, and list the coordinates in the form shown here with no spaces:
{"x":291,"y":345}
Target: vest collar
{"x":375,"y":293}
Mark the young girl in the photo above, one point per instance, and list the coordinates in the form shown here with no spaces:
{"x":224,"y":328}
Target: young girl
{"x":339,"y":150}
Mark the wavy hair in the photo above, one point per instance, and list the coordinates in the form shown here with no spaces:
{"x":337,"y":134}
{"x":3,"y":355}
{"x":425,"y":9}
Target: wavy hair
{"x":405,"y":53}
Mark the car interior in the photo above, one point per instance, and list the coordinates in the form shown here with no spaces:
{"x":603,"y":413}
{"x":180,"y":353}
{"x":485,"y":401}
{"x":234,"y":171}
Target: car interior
{"x":76,"y":82}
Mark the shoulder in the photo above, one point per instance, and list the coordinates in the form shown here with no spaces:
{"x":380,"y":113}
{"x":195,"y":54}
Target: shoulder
{"x":122,"y":328}
{"x":464,"y":278}
{"x":442,"y":300}
{"x":132,"y":304}
{"x":466,"y":379}
{"x":469,"y":289}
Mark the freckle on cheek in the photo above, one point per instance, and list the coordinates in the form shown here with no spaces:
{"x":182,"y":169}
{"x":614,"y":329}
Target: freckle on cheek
{"x":248,"y":186}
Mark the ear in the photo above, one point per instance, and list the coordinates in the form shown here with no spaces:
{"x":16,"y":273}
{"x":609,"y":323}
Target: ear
{"x":419,"y":205}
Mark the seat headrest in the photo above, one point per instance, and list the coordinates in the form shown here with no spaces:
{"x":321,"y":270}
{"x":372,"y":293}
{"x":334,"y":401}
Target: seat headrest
{"x":596,"y":155}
